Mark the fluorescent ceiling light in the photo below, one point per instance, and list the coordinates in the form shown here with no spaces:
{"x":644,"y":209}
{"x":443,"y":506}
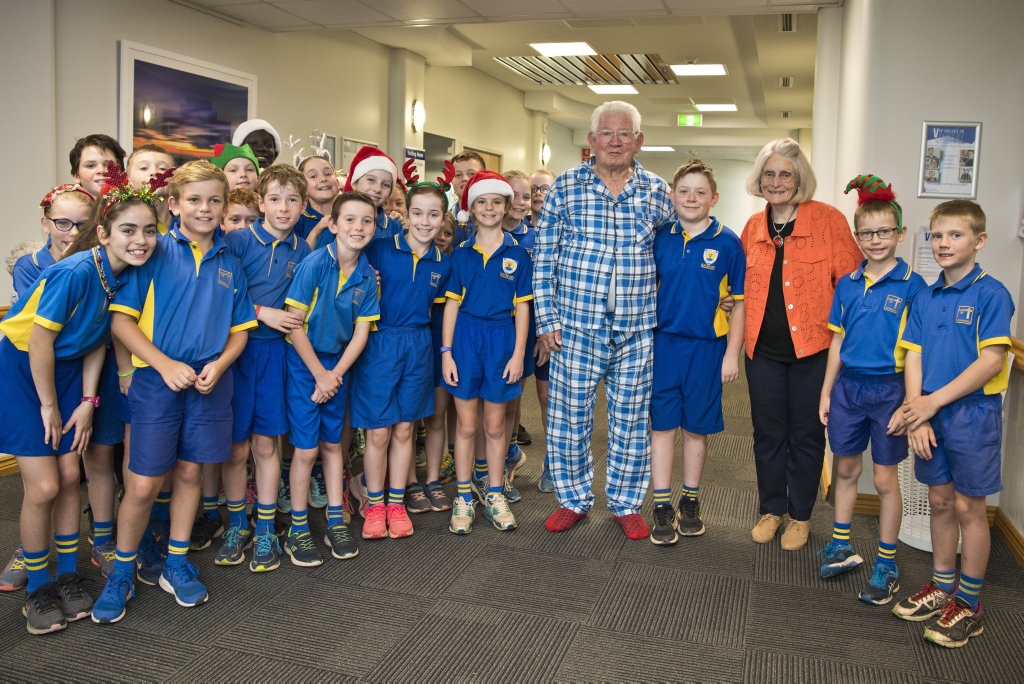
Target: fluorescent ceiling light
{"x":657,"y":148}
{"x":715,"y":107}
{"x":613,"y":89}
{"x":698,"y":69}
{"x":563,"y":49}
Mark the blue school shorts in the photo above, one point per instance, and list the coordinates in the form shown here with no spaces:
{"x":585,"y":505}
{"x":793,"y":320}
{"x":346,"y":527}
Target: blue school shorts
{"x":392,"y":382}
{"x":310,"y":423}
{"x":969,"y":432}
{"x":435,"y":342}
{"x":107,"y":426}
{"x":687,"y":390}
{"x":860,"y":408}
{"x":258,"y":404}
{"x":21,"y":425}
{"x":481,"y":349}
{"x":540,"y":372}
{"x":186,"y":425}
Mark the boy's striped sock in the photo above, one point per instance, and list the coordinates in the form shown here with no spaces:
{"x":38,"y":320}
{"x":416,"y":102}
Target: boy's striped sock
{"x":210,"y":506}
{"x":886,"y":554}
{"x":162,"y":507}
{"x":493,"y":490}
{"x":969,"y":589}
{"x":236,"y":514}
{"x":102,"y":532}
{"x":265,"y":518}
{"x":300,"y":521}
{"x":479,"y":468}
{"x":67,"y":552}
{"x":375,"y":498}
{"x":124,"y":562}
{"x":690,"y":492}
{"x":177,"y":552}
{"x":464,"y":491}
{"x":663,"y":497}
{"x":334,"y":515}
{"x":37,"y":568}
{"x":396,"y":496}
{"x":841,"y":533}
{"x":944,"y":579}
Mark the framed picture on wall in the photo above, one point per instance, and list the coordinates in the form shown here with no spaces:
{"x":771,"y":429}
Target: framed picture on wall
{"x":949,"y":160}
{"x":349,"y":147}
{"x":182,"y":104}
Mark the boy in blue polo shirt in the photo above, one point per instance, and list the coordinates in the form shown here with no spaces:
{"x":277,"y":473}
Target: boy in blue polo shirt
{"x":698,"y":262}
{"x":956,"y":340}
{"x":184,"y":316}
{"x":335,"y":290}
{"x":863,"y":391}
{"x":270,"y":251}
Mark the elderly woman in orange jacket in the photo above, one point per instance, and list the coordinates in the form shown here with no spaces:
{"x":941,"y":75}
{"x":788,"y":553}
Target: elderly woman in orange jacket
{"x":797,"y":249}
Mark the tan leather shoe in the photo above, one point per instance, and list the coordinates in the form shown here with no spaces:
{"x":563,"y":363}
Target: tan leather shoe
{"x":765,"y":529}
{"x":795,"y":536}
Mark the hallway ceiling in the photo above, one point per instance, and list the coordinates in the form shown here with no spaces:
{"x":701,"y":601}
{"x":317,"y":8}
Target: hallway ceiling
{"x":770,"y":69}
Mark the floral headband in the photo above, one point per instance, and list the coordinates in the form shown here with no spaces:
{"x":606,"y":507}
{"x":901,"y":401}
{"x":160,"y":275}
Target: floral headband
{"x":117,"y":189}
{"x":444,"y":181}
{"x":61,"y":190}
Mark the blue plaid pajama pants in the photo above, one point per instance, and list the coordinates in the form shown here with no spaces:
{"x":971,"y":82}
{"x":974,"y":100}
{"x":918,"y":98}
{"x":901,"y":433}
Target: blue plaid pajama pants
{"x":625,"y":365}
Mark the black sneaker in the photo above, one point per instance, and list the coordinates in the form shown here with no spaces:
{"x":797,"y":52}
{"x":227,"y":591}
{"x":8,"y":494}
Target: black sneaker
{"x":75,"y":601}
{"x":42,"y":608}
{"x":204,"y":530}
{"x":955,"y":625}
{"x":302,"y":550}
{"x":688,"y":519}
{"x":340,"y":542}
{"x":663,"y":532}
{"x":523,"y":437}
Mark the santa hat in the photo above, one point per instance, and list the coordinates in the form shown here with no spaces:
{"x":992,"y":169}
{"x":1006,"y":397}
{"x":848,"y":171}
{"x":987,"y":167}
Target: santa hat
{"x":368,"y":159}
{"x":251,"y":126}
{"x":222,"y":154}
{"x":482,"y":183}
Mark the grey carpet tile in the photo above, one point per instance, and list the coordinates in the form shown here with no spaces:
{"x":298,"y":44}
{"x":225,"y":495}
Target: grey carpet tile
{"x":735,"y":448}
{"x":239,"y":666}
{"x":596,"y":537}
{"x":665,"y":603}
{"x":819,"y":624}
{"x":543,"y":584}
{"x":771,"y":667}
{"x":719,"y":551}
{"x":601,"y":655}
{"x":726,"y":504}
{"x":455,"y":641}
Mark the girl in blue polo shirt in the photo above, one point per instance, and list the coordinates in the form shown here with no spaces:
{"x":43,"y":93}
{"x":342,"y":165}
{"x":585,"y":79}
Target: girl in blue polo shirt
{"x":51,"y":355}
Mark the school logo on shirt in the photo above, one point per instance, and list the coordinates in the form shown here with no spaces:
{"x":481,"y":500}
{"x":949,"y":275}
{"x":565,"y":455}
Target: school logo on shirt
{"x":224,"y":277}
{"x":435,"y":279}
{"x":965,"y":315}
{"x":357,"y":295}
{"x":710,"y":257}
{"x":508,"y":267}
{"x":893,"y":304}
{"x":289,"y":269}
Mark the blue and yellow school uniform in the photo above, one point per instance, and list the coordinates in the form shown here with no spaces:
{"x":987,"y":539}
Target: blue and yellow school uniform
{"x":332,"y":303}
{"x":29,"y":267}
{"x":693,"y":273}
{"x":870,"y":316}
{"x":526,"y":236}
{"x":392,"y":382}
{"x":259,"y":373}
{"x":385,"y":228}
{"x":187,"y":304}
{"x":949,"y":325}
{"x":488,"y":288}
{"x":307,"y":222}
{"x":70,"y":300}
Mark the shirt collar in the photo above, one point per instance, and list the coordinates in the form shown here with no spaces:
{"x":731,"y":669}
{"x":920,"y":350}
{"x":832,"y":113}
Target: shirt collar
{"x":975,"y":274}
{"x":402,"y":244}
{"x":218,"y":239}
{"x":265,"y":238}
{"x":311,"y":213}
{"x":901,"y":271}
{"x":709,"y":233}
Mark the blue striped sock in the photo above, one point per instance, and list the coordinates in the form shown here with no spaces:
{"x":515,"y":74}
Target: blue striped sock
{"x":969,"y":589}
{"x":886,"y":554}
{"x":300,"y":521}
{"x":210,"y":505}
{"x":396,"y":496}
{"x":464,"y":491}
{"x":265,"y":518}
{"x":841,"y":532}
{"x":177,"y":552}
{"x":102,"y":532}
{"x":124,"y":562}
{"x":691,"y":492}
{"x":37,"y":568}
{"x":334,"y":515}
{"x":375,"y":498}
{"x":236,"y":514}
{"x":944,"y":579}
{"x":67,"y":552}
{"x":162,"y":506}
{"x":663,"y":497}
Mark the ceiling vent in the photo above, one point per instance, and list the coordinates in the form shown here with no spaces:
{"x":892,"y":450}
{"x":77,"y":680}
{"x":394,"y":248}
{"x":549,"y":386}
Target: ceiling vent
{"x":639,"y":69}
{"x":785,"y":114}
{"x":787,"y":23}
{"x":786,"y":81}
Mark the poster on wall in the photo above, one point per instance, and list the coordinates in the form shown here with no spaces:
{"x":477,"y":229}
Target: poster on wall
{"x":181,"y":104}
{"x":949,"y":160}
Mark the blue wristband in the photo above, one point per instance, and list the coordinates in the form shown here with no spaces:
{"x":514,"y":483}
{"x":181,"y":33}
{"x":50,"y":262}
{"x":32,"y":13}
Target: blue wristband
{"x":445,"y":349}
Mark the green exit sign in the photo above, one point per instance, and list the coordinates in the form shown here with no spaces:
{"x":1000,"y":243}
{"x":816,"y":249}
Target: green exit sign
{"x":690,"y":120}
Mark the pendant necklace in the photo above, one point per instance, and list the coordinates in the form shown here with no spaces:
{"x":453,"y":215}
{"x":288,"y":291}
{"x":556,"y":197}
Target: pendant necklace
{"x":778,"y":240}
{"x":98,"y":260}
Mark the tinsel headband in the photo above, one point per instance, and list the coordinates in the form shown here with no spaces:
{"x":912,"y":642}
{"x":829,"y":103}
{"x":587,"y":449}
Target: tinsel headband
{"x":117,"y":189}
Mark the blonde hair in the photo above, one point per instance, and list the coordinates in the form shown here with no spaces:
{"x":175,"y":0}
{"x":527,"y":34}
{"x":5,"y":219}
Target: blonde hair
{"x":962,"y":209}
{"x":806,"y":183}
{"x":696,"y":166}
{"x":195,"y":172}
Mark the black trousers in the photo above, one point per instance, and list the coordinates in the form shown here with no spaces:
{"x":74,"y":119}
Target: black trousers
{"x":789,"y":439}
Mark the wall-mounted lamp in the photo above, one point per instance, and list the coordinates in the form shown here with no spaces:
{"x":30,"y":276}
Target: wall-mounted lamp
{"x":419,"y":116}
{"x":545,"y":154}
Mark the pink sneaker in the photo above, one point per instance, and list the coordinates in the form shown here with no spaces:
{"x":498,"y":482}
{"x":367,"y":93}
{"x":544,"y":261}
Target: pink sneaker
{"x":357,"y":491}
{"x":375,"y":522}
{"x":399,"y":524}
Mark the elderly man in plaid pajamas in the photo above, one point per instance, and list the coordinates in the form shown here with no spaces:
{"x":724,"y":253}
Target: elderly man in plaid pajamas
{"x":594,"y":298}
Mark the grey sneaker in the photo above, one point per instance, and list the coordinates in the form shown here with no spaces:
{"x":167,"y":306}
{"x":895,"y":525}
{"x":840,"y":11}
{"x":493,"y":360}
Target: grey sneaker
{"x":546,"y":484}
{"x":14,"y":576}
{"x":955,"y":625}
{"x":416,"y":500}
{"x":75,"y":601}
{"x":42,"y":609}
{"x":497,"y":511}
{"x":234,"y":542}
{"x":340,"y":542}
{"x":688,"y":518}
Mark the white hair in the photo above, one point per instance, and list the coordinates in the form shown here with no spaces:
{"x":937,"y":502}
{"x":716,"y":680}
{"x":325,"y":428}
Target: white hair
{"x":615,"y":107}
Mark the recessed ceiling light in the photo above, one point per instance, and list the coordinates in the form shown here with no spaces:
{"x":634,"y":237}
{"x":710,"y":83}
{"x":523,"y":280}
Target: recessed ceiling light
{"x":698,"y":69}
{"x":614,"y":89}
{"x":657,"y":148}
{"x":563,"y":49}
{"x":715,"y":107}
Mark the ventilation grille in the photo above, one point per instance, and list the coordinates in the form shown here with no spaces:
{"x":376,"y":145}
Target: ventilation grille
{"x":592,"y":70}
{"x":787,"y":23}
{"x":786,"y":82}
{"x":785,"y":114}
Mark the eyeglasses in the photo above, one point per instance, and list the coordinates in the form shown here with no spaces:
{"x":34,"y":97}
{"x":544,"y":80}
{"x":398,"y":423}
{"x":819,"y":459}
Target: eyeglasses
{"x":621,"y":136}
{"x":882,"y":233}
{"x":783,"y":176}
{"x":64,"y":225}
{"x":541,"y":189}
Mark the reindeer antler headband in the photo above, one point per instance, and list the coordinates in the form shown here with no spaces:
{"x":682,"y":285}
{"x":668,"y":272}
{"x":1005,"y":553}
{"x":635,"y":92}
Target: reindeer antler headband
{"x":116,"y":188}
{"x":871,"y":187}
{"x":444,"y":181}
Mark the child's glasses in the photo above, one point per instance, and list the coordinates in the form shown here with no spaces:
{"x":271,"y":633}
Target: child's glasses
{"x":882,"y":233}
{"x":64,"y":225}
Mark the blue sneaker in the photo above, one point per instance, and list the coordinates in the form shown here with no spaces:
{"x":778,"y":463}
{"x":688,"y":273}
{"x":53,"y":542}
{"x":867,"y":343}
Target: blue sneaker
{"x":882,"y":586}
{"x":267,"y":554}
{"x":183,"y":582}
{"x":546,"y":484}
{"x":317,"y":488}
{"x":150,"y":562}
{"x":838,"y":558}
{"x":110,"y":606}
{"x":515,"y":458}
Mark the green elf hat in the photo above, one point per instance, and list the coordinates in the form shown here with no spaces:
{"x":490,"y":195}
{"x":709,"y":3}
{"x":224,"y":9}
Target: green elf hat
{"x":871,"y":187}
{"x":223,"y":153}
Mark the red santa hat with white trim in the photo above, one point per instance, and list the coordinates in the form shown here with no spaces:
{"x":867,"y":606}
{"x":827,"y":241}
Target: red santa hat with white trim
{"x":368,"y":159}
{"x":482,"y":183}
